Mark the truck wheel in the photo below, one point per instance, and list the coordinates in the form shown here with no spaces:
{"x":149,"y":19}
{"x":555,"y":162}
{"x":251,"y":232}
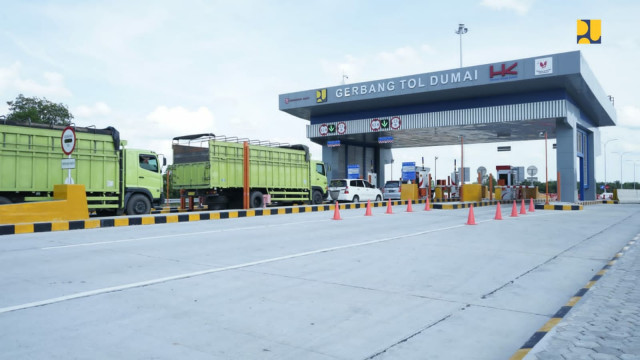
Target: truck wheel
{"x":256,"y":200}
{"x":138,"y":204}
{"x":4,"y":200}
{"x":316,"y":197}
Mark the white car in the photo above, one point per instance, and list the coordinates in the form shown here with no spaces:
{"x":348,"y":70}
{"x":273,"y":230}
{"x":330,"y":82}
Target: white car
{"x":353,"y":190}
{"x":606,"y":196}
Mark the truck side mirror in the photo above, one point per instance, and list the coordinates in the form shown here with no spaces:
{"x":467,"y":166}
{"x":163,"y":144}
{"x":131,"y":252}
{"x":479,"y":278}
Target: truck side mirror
{"x":164,"y":161}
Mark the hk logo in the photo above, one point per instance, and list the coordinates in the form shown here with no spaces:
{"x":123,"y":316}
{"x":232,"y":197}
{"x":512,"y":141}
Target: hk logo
{"x":504,"y":70}
{"x":589,"y":32}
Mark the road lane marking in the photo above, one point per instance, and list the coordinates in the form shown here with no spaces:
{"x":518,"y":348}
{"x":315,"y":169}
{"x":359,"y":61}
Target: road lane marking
{"x":175,"y":235}
{"x":111,"y":289}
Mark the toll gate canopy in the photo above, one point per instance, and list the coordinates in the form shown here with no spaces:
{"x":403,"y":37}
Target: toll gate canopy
{"x":513,"y":100}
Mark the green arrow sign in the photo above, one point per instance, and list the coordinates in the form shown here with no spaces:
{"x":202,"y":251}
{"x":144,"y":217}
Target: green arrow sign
{"x":332,"y":128}
{"x":384,"y":123}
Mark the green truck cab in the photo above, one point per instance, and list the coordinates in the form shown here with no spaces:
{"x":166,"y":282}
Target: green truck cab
{"x":117,"y":179}
{"x":212,"y":167}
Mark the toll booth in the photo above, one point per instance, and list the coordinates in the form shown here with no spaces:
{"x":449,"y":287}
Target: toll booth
{"x":551,"y":96}
{"x":509,"y":178}
{"x":509,"y":175}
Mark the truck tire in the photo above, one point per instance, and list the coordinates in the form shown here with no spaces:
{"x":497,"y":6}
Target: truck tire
{"x":4,"y":200}
{"x":138,"y":204}
{"x":256,"y":200}
{"x":316,"y":197}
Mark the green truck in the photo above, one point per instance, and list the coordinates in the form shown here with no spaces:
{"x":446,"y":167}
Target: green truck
{"x":117,"y":179}
{"x":212,"y":168}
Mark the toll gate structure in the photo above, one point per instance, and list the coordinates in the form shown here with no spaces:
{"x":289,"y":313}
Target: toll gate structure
{"x":513,"y":100}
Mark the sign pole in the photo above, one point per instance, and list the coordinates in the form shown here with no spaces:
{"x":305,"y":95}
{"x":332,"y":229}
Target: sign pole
{"x":69,"y":180}
{"x":68,"y":144}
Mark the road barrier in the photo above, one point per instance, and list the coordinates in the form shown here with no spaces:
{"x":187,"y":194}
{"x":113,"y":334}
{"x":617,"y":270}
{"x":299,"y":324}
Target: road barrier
{"x":628,"y":196}
{"x":69,"y":203}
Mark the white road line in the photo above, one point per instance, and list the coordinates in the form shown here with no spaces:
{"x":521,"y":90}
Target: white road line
{"x":175,"y":235}
{"x":203,"y":232}
{"x":106,"y":290}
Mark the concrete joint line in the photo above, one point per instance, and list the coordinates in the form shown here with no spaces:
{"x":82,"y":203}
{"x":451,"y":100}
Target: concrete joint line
{"x":207,"y":271}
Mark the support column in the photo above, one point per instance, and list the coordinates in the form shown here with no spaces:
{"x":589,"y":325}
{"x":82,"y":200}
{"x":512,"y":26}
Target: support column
{"x":334,"y":158}
{"x":590,"y":192}
{"x":384,"y":158}
{"x":566,"y":158}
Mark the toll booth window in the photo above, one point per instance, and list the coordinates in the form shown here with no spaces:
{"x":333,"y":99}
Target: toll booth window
{"x":320,"y":169}
{"x":149,"y":162}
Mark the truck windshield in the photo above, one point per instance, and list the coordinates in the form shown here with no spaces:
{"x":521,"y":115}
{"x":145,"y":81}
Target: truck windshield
{"x":149,"y":162}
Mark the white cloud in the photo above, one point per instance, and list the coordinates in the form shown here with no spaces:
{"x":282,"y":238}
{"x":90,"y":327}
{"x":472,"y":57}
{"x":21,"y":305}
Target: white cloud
{"x":180,"y":121}
{"x":401,"y":61}
{"x":87,"y":111}
{"x":519,"y":6}
{"x":630,"y":116}
{"x":52,"y":85}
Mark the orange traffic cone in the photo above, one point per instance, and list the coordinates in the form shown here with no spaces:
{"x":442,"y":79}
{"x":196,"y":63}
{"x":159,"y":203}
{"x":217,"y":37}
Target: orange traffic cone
{"x":336,"y":212}
{"x":531,"y":207}
{"x":427,"y":207}
{"x":409,"y":209}
{"x":498,"y":212}
{"x":514,"y":210}
{"x":522,"y":209}
{"x":471,"y":220}
{"x":389,"y":210}
{"x":368,"y":212}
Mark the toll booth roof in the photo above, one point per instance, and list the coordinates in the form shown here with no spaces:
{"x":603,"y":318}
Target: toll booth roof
{"x":562,"y":75}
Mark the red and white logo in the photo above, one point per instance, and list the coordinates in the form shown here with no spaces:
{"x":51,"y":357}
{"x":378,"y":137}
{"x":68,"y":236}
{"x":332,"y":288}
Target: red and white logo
{"x":342,"y":128}
{"x":544,"y":66}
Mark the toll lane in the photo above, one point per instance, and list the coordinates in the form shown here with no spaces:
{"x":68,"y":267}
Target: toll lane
{"x":303,"y":285}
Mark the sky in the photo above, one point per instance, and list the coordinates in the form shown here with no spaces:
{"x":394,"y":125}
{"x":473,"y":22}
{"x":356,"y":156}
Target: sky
{"x":159,"y":69}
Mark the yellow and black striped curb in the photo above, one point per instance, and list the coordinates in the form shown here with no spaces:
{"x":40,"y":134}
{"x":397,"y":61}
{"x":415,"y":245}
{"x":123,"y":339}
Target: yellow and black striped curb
{"x":560,"y":314}
{"x":559,"y":207}
{"x":169,"y":218}
{"x":207,"y":215}
{"x":598,"y":202}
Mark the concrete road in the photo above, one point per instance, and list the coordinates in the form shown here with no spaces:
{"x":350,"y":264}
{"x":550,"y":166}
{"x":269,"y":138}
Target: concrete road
{"x":420,"y":285}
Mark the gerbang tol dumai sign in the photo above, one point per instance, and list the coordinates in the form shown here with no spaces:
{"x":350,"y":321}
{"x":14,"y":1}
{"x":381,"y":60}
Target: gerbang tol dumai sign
{"x":416,"y":82}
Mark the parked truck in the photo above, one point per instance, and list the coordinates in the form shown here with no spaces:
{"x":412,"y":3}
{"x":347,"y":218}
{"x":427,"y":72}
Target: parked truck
{"x":212,"y":168}
{"x":116,"y":178}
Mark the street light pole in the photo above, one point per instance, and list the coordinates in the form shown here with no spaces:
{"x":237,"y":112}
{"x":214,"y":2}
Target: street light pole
{"x":621,"y":155}
{"x":461,"y":30}
{"x":605,"y":162}
{"x":634,"y":173}
{"x":435,"y":169}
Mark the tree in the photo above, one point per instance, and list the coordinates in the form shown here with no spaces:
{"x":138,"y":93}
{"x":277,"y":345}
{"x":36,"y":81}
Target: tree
{"x":35,"y":110}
